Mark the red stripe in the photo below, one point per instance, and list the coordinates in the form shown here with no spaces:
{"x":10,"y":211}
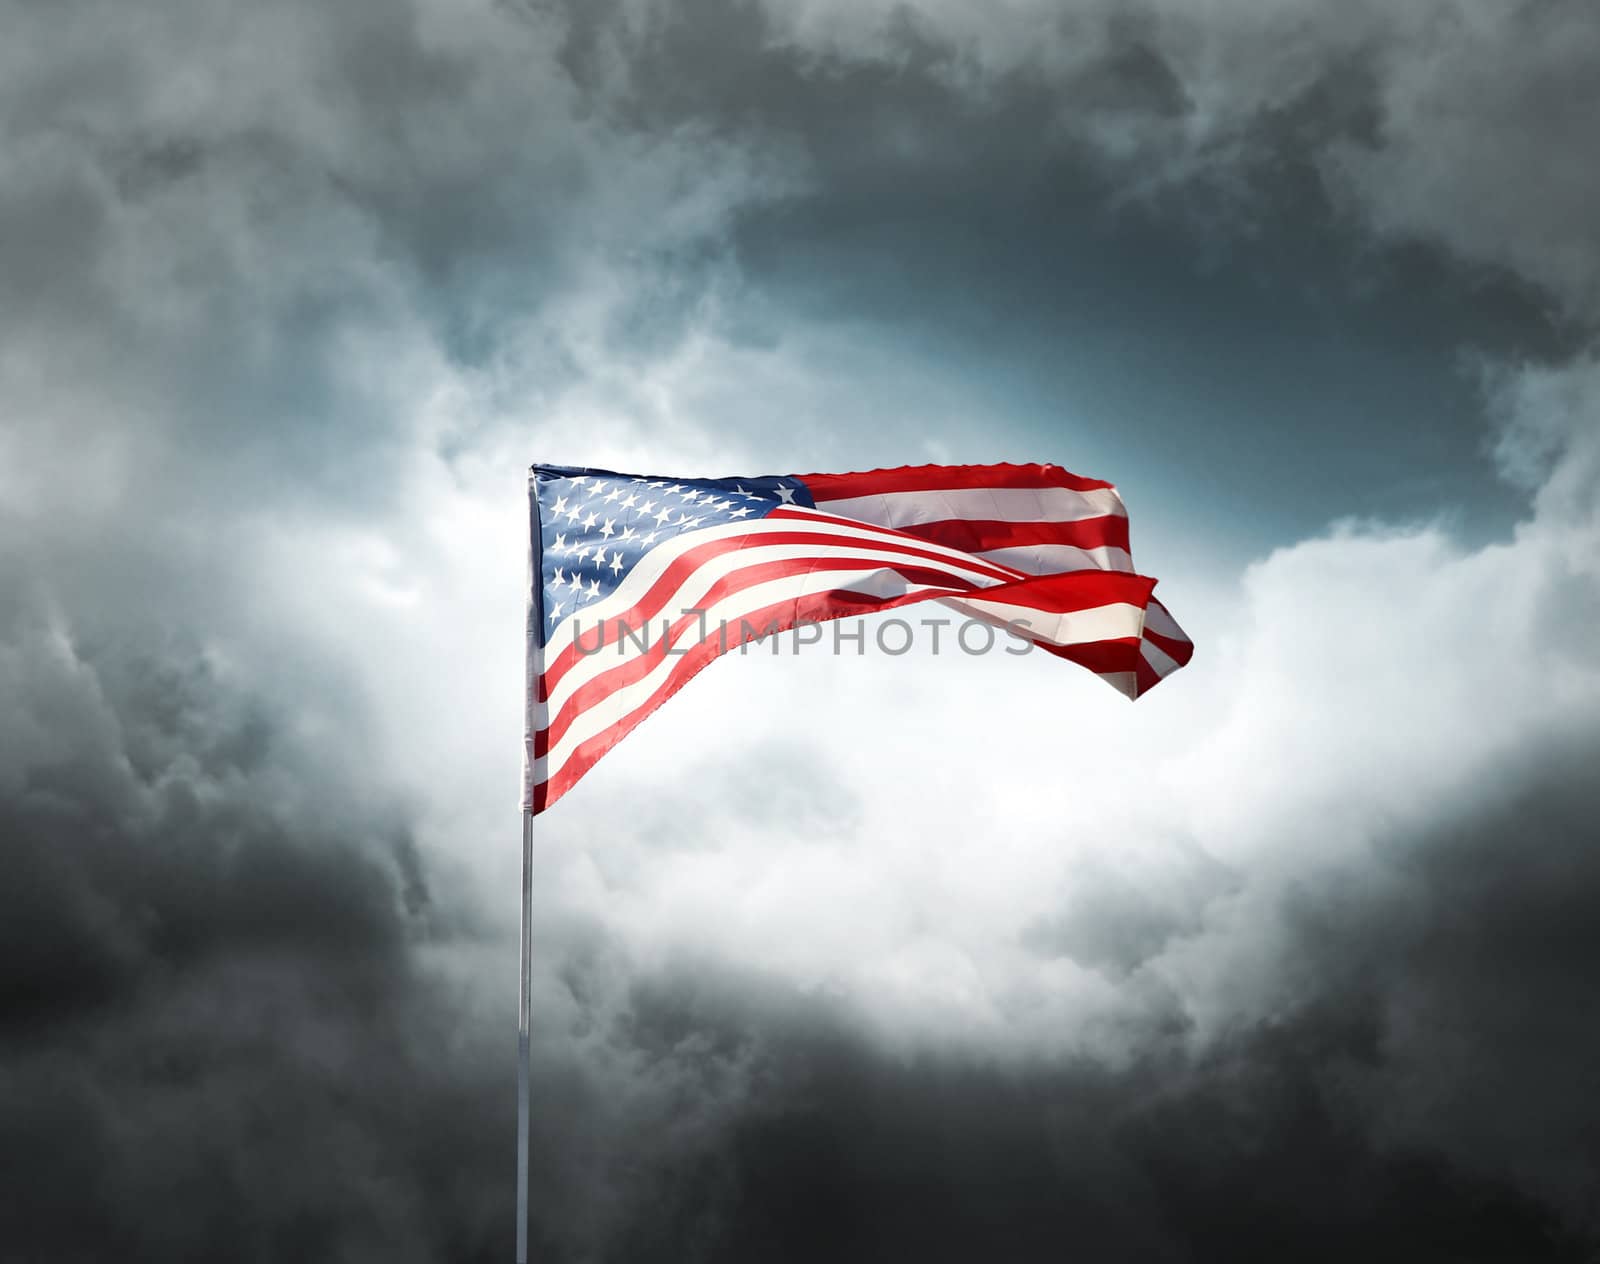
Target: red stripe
{"x":1120,"y":654}
{"x":680,"y":573}
{"x":939,"y":478}
{"x":973,"y":536}
{"x":1072,"y":591}
{"x":1179,"y":651}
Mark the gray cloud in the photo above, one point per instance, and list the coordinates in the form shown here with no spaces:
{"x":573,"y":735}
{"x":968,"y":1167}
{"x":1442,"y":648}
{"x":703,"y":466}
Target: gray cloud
{"x":1112,"y":922}
{"x":1099,"y":226}
{"x":1381,"y":1109}
{"x":212,"y":997}
{"x":291,"y":296}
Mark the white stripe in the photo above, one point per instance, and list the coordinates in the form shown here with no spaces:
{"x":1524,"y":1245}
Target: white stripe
{"x":979,"y":504}
{"x":1110,"y":622}
{"x":725,"y":613}
{"x":1053,"y":559}
{"x":1162,"y":623}
{"x":1158,"y":658}
{"x":1125,"y":683}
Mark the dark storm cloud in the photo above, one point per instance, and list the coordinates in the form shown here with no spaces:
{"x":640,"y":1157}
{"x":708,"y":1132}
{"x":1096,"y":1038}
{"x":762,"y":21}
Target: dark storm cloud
{"x":235,"y":244}
{"x":245,"y":1014}
{"x":1042,"y":228}
{"x":212,"y":1002}
{"x":257,"y":237}
{"x":1420,"y":1097}
{"x":239,"y":1019}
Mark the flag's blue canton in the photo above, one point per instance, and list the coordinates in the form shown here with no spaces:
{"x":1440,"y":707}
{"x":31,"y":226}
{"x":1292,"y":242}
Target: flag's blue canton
{"x":593,"y":526}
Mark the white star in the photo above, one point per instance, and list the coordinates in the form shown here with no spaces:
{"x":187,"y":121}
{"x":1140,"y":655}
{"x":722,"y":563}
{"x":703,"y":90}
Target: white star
{"x":648,"y":540}
{"x":739,"y":491}
{"x":572,"y":514}
{"x":613,"y":494}
{"x":575,"y":583}
{"x":561,"y":505}
{"x":579,"y":481}
{"x":616,"y":563}
{"x":633,"y":499}
{"x":559,"y":579}
{"x":599,"y":558}
{"x":786,"y":495}
{"x":690,"y":496}
{"x":722,"y":504}
{"x":740,"y":513}
{"x":692,"y":522}
{"x":674,"y":489}
{"x":590,"y":520}
{"x":664,"y":516}
{"x":560,"y":546}
{"x":646,"y":509}
{"x":627,"y":534}
{"x":594,"y":588}
{"x":607,"y":529}
{"x":555,"y":612}
{"x":583,"y":553}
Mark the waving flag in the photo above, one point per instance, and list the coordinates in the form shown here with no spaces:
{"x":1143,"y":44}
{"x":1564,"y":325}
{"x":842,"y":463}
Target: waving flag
{"x":638,"y":582}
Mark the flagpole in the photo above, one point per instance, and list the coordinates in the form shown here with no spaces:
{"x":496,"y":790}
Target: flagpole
{"x":524,"y":1003}
{"x":530,"y":675}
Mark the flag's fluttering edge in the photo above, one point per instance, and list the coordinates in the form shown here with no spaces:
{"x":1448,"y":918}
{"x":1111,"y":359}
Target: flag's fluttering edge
{"x":637,"y":582}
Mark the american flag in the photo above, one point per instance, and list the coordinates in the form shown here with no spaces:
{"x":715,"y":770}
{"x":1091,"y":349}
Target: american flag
{"x":638,"y":582}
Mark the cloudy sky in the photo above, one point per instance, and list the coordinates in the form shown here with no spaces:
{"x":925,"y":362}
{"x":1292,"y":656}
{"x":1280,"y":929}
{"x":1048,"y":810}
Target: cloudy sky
{"x":864,"y":958}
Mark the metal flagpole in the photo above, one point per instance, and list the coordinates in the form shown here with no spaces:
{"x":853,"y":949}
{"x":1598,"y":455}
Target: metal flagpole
{"x":525,"y":973}
{"x":524,"y":1001}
